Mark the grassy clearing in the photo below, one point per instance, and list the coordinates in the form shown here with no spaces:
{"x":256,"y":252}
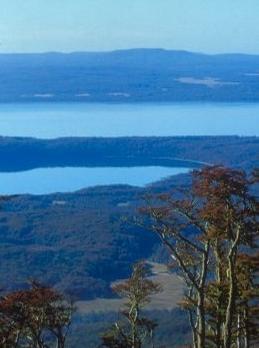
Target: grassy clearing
{"x":172,"y":291}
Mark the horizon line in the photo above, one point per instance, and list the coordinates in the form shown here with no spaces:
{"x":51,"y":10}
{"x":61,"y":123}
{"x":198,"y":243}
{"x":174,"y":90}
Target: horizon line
{"x":128,"y":49}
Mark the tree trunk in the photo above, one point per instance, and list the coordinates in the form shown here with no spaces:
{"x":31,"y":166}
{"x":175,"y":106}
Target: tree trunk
{"x":239,"y":331}
{"x":201,"y":321}
{"x":193,"y":328}
{"x":231,"y":306}
{"x":246,"y":330}
{"x":219,"y":277}
{"x":229,"y":318}
{"x":201,"y":327}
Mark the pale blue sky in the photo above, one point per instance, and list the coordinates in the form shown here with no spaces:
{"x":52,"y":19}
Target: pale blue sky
{"x":92,"y":25}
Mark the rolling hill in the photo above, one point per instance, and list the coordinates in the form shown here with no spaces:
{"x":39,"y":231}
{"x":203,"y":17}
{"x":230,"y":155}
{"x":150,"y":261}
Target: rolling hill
{"x":128,"y":76}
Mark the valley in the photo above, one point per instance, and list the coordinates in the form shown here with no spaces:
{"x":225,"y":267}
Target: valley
{"x":79,"y":241}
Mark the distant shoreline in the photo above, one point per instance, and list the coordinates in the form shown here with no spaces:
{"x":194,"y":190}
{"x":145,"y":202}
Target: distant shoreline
{"x":130,"y":102}
{"x":17,"y":153}
{"x":136,"y":75}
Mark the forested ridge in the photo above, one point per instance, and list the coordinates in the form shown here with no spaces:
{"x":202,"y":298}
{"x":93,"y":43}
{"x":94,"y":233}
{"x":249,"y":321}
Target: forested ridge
{"x":17,"y":153}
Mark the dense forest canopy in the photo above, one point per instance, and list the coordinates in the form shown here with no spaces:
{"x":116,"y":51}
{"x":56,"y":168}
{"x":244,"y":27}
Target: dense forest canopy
{"x":19,"y":153}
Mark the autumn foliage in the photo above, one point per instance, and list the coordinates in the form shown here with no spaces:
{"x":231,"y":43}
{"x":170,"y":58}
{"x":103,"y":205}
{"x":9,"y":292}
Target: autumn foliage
{"x":39,"y":317}
{"x":134,"y":329}
{"x":211,"y":233}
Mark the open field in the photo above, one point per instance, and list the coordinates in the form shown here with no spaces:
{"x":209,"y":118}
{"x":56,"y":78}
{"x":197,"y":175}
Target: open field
{"x":172,"y":291}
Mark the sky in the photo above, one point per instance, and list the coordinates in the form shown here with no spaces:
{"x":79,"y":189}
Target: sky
{"x":210,"y":26}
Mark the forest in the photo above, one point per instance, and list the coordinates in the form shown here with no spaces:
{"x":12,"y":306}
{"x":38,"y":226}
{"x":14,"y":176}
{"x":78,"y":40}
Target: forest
{"x":209,"y":232}
{"x":75,"y":246}
{"x":129,"y":174}
{"x":18,"y":153}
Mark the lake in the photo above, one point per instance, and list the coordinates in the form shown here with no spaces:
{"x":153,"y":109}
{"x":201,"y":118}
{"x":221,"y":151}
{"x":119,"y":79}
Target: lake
{"x":50,"y":180}
{"x":51,"y":120}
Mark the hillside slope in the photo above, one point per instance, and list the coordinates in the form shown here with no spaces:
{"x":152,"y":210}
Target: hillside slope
{"x":79,"y":241}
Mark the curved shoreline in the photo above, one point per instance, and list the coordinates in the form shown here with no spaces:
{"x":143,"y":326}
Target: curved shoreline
{"x":20,"y":154}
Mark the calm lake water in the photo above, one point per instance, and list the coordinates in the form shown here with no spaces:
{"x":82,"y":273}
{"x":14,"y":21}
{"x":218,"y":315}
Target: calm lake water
{"x":50,"y":180}
{"x":47,"y":120}
{"x":51,"y":120}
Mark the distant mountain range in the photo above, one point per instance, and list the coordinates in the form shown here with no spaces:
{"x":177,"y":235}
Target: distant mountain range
{"x":129,"y":76}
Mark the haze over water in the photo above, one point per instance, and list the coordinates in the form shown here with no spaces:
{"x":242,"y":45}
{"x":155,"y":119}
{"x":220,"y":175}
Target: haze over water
{"x":52,"y":120}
